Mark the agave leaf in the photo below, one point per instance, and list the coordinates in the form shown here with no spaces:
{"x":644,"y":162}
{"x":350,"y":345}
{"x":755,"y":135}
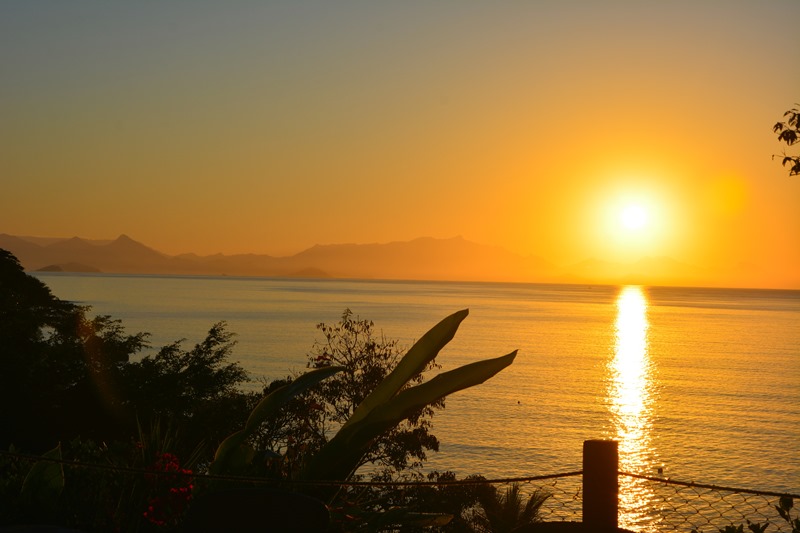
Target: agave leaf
{"x":233,"y":452}
{"x":229,"y":453}
{"x":45,"y":481}
{"x":446,"y":383}
{"x":340,"y":456}
{"x":412,"y":363}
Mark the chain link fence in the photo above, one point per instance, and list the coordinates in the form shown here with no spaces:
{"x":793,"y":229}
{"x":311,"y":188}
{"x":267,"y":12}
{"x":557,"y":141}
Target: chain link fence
{"x":649,"y":504}
{"x":646,"y":504}
{"x":668,"y":505}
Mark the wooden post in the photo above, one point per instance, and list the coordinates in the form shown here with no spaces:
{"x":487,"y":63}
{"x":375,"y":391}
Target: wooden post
{"x":600,"y":485}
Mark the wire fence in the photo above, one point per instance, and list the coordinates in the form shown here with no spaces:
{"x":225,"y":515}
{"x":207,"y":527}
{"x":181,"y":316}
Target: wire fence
{"x":687,"y":506}
{"x":646,"y":504}
{"x":565,"y":500}
{"x":651,"y":504}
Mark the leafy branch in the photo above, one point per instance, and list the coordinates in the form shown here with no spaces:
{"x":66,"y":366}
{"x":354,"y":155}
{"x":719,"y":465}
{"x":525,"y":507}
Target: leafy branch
{"x":789,"y":132}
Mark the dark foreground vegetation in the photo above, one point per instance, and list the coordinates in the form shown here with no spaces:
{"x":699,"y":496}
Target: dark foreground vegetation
{"x":171,"y":441}
{"x":96,"y":436}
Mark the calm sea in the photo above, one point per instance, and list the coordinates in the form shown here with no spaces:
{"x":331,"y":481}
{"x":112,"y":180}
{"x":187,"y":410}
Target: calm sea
{"x":701,"y":383}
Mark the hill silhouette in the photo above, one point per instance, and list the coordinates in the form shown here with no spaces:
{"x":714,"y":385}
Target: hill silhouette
{"x":425,"y":258}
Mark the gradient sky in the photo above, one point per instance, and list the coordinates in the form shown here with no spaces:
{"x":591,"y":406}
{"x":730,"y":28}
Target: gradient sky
{"x":268,"y":127}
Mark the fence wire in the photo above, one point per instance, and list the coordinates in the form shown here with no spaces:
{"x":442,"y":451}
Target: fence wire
{"x":646,"y":504}
{"x":668,"y":505}
{"x":564,"y":496}
{"x":651,"y":505}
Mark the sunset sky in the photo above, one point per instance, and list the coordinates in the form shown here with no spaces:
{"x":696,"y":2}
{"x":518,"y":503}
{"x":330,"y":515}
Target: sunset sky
{"x":566,"y":130}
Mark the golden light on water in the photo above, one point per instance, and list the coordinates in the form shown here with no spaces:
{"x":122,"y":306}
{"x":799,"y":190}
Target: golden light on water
{"x":630,"y":394}
{"x":631,"y":362}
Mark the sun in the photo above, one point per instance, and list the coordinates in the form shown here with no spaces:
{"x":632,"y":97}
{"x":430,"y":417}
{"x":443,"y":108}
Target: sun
{"x":632,"y":226}
{"x":633,"y":217}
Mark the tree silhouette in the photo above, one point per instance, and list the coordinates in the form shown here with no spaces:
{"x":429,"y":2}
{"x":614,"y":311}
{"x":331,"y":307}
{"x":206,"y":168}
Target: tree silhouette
{"x":789,"y":132}
{"x":60,"y":367}
{"x":65,"y":374}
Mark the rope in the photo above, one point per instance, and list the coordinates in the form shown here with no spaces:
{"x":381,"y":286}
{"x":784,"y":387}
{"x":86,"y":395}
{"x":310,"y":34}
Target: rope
{"x":707,"y":486}
{"x":262,"y":480}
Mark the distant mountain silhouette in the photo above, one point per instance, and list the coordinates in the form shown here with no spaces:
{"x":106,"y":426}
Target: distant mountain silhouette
{"x":424,"y":258}
{"x":26,"y":251}
{"x":121,"y":255}
{"x":68,"y":267}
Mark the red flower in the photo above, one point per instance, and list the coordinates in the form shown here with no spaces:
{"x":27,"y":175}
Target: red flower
{"x":172,"y":489}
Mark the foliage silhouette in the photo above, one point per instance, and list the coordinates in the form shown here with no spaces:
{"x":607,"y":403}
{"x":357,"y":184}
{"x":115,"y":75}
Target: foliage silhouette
{"x":60,"y":368}
{"x":74,"y":379}
{"x":505,"y":512}
{"x":235,"y":453}
{"x":376,"y":410}
{"x":195,"y":389}
{"x":306,"y":423}
{"x":789,"y":132}
{"x":399,"y":395}
{"x":68,"y":375}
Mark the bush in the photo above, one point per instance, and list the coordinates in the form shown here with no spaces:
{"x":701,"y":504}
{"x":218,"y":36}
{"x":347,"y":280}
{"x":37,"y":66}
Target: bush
{"x":308,"y":421}
{"x":66,"y":375}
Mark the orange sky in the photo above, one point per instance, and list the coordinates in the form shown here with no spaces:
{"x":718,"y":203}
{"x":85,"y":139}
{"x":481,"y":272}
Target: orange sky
{"x":269,"y":127}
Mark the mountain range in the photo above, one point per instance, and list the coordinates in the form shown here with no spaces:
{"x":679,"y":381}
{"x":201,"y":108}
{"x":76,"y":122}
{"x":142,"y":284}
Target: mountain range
{"x":454,"y":259}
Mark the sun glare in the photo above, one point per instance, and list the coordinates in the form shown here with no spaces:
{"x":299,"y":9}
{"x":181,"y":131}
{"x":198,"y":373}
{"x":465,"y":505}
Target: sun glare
{"x":632,"y":221}
{"x":633,"y":217}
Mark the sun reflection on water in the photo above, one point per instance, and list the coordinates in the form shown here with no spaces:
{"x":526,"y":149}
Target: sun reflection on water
{"x":631,"y":397}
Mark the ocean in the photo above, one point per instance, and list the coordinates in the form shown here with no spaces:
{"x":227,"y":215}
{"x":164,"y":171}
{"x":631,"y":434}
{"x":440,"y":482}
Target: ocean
{"x":698,"y":384}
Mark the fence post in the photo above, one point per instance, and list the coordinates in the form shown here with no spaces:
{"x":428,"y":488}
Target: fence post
{"x":600,"y":485}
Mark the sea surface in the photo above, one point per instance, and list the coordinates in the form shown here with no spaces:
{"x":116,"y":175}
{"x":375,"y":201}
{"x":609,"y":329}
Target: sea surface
{"x":696,"y":384}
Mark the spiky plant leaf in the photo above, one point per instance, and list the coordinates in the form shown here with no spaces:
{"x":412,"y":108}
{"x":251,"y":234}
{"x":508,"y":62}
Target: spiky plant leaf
{"x":273,"y":401}
{"x":233,"y":453}
{"x":414,"y":362}
{"x":45,"y":481}
{"x":338,"y":459}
